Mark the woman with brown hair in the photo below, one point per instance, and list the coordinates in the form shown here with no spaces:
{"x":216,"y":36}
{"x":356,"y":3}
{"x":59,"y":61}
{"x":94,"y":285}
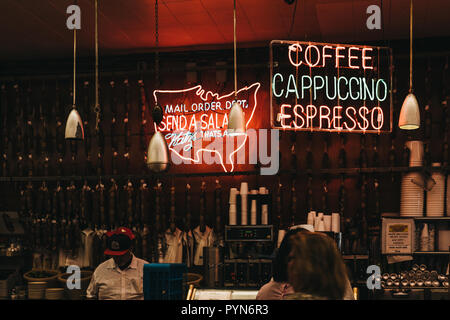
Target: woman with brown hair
{"x":316,"y":269}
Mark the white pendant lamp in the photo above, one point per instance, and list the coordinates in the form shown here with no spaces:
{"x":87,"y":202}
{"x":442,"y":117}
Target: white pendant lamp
{"x":410,"y":114}
{"x":74,"y":124}
{"x":158,"y":152}
{"x":236,"y":118}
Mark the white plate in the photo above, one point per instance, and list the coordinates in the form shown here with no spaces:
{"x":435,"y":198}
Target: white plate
{"x":408,"y":197}
{"x":411,"y":212}
{"x":414,"y":196}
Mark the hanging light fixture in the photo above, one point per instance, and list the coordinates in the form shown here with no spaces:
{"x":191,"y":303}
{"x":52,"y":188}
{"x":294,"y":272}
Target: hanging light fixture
{"x":410,"y":114}
{"x":236,"y":118}
{"x":97,"y":104}
{"x":74,"y":124}
{"x":158,"y":152}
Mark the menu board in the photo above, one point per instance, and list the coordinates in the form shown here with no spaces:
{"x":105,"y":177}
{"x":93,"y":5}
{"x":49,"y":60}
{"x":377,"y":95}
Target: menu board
{"x":398,"y":235}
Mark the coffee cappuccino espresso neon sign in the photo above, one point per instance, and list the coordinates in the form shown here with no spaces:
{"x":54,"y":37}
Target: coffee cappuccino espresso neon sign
{"x":330,"y":87}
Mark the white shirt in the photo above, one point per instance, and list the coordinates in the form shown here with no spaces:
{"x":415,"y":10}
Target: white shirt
{"x":202,"y":240}
{"x":174,"y":243}
{"x":110,"y":283}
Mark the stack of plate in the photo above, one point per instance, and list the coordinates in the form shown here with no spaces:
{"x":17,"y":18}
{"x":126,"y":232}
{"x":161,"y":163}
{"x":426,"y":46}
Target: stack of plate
{"x":54,"y":293}
{"x":36,"y":290}
{"x":435,"y":196}
{"x":412,"y":195}
{"x":448,"y":196}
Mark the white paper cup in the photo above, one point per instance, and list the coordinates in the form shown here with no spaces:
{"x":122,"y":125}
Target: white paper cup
{"x":335,"y":222}
{"x":281,"y":234}
{"x":233,"y":193}
{"x":244,"y":188}
{"x":232,"y":215}
{"x":444,"y":240}
{"x":253,"y":209}
{"x":415,"y":152}
{"x":321,"y":226}
{"x":311,"y":217}
{"x":327,"y":222}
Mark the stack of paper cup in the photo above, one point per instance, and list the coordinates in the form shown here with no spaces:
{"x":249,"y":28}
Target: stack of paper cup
{"x":327,"y":222}
{"x":317,"y":222}
{"x":335,"y":222}
{"x":412,"y":195}
{"x":264,"y":207}
{"x":244,"y":194}
{"x":281,"y":234}
{"x":435,"y":196}
{"x":448,"y":196}
{"x":311,"y":218}
{"x":444,"y":240}
{"x":232,"y":213}
{"x":424,"y":238}
{"x":253,"y":209}
{"x":320,"y":226}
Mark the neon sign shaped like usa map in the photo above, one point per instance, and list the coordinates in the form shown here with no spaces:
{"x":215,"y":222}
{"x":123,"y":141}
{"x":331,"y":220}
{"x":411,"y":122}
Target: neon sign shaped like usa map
{"x":195,"y":123}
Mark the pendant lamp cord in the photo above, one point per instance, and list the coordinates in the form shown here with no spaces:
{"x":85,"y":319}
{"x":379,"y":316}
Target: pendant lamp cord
{"x":97,"y":105}
{"x":235,"y":63}
{"x":410,"y":47}
{"x":156,"y":45}
{"x":74,"y":66}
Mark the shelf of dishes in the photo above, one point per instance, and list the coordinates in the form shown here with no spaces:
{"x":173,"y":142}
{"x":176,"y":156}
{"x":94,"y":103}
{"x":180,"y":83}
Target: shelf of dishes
{"x":424,"y":194}
{"x":417,"y":277}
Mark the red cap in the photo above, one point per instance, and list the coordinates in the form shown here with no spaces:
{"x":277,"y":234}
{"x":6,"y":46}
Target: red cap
{"x":119,"y":241}
{"x":125,"y":231}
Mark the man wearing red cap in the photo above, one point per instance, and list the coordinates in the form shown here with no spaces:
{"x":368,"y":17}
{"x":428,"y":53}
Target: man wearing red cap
{"x":121,"y":277}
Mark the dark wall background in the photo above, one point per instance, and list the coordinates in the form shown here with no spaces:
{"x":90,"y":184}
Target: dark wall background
{"x":39,"y":92}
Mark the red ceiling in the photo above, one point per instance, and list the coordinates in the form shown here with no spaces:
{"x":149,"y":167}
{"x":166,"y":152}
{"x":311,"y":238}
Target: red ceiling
{"x":37,"y":29}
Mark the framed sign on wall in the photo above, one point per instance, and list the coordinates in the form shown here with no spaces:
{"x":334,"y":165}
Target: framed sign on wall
{"x":330,"y":87}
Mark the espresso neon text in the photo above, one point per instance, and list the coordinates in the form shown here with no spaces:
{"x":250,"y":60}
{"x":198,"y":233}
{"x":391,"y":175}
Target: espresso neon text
{"x":337,"y":118}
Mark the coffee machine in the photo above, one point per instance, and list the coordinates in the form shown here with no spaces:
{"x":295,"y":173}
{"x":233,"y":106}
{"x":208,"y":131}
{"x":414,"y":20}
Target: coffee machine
{"x":248,"y":255}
